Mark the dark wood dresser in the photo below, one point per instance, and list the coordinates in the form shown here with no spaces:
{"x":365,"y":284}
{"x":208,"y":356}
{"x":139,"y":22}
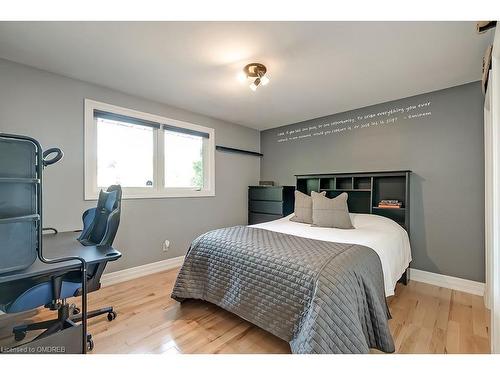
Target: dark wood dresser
{"x":267,"y":203}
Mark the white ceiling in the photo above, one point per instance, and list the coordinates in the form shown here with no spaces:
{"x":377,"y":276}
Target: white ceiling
{"x":316,"y":68}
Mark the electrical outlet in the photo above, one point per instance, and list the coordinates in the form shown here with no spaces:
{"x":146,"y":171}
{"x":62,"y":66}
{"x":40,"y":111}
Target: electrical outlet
{"x":166,"y":245}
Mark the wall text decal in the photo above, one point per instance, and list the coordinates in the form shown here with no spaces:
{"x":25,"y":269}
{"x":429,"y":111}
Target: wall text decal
{"x":388,"y":117}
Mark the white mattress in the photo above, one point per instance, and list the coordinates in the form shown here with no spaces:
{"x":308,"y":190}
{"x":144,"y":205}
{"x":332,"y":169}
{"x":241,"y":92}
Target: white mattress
{"x":387,"y":238}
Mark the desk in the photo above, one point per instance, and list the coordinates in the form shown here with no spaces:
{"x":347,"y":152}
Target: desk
{"x":56,"y":246}
{"x":61,"y":245}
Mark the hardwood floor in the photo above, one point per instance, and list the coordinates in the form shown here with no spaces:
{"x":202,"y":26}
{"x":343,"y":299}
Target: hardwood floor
{"x":426,"y":319}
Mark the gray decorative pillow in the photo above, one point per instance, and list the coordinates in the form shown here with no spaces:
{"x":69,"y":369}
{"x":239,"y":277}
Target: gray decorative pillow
{"x":330,"y":213}
{"x":303,"y":207}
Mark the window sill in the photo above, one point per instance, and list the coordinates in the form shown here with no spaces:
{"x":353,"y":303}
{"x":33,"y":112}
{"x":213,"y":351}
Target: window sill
{"x":185,"y":194}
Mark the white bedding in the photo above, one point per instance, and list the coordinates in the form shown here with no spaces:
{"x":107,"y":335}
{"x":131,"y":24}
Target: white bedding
{"x":387,"y":238}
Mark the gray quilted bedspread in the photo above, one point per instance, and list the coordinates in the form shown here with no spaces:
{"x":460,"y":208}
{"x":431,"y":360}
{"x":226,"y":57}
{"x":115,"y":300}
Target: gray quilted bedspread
{"x":321,"y":297}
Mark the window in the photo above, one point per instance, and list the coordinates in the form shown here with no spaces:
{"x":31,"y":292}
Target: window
{"x":115,"y":163}
{"x":148,"y":155}
{"x":183,"y":160}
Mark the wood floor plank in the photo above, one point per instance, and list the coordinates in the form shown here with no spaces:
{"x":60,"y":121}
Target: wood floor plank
{"x":425,"y":319}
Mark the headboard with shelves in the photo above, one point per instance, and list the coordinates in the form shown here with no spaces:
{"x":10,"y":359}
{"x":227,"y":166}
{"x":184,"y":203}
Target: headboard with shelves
{"x":365,"y":190}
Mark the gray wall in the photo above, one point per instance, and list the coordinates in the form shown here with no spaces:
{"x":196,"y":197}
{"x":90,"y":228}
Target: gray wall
{"x":49,"y":107}
{"x":444,"y":149}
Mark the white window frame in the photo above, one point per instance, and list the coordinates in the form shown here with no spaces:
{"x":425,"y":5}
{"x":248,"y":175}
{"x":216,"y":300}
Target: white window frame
{"x":158,"y":190}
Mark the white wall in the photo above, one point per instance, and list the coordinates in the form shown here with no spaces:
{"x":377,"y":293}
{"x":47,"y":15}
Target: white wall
{"x":50,"y":108}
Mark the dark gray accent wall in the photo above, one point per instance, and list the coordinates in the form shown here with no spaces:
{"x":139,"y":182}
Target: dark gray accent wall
{"x":441,"y":141}
{"x":50,"y":108}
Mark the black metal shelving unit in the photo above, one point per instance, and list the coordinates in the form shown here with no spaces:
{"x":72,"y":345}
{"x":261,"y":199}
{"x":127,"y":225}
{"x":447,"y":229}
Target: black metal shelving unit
{"x":21,"y":186}
{"x":19,"y":210}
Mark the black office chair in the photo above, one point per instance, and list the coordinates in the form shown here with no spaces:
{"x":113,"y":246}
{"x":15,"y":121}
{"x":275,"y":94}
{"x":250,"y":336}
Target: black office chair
{"x":100,"y":225}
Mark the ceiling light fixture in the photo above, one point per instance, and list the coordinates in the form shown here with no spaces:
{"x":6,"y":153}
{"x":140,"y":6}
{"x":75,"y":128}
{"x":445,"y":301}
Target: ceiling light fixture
{"x":257,"y":73}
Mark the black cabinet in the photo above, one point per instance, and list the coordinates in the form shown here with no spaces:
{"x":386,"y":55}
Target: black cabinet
{"x":266,"y":203}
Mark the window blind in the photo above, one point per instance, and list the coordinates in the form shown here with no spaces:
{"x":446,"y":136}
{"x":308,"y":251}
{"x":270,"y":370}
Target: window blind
{"x":123,"y":118}
{"x":137,"y":121}
{"x":186,"y":131}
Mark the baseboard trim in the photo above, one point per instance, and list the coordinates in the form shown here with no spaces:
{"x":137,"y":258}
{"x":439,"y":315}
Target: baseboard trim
{"x":147,"y":269}
{"x":451,"y":282}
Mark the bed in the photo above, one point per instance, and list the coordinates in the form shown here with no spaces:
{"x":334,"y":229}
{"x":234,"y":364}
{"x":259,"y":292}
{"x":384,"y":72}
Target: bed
{"x":389,"y":240}
{"x":323,"y":290}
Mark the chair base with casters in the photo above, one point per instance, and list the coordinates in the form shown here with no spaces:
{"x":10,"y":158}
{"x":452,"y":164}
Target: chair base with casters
{"x":111,"y":314}
{"x":22,"y":296}
{"x":67,"y":316}
{"x":64,"y":320}
{"x":29,"y":294}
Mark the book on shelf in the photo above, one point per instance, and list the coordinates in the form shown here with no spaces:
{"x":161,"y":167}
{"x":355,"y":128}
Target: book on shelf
{"x":390,"y":203}
{"x":388,"y":206}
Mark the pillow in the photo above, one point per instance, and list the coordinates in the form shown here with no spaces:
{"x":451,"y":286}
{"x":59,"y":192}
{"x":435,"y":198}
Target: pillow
{"x":303,"y":207}
{"x":330,"y":213}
